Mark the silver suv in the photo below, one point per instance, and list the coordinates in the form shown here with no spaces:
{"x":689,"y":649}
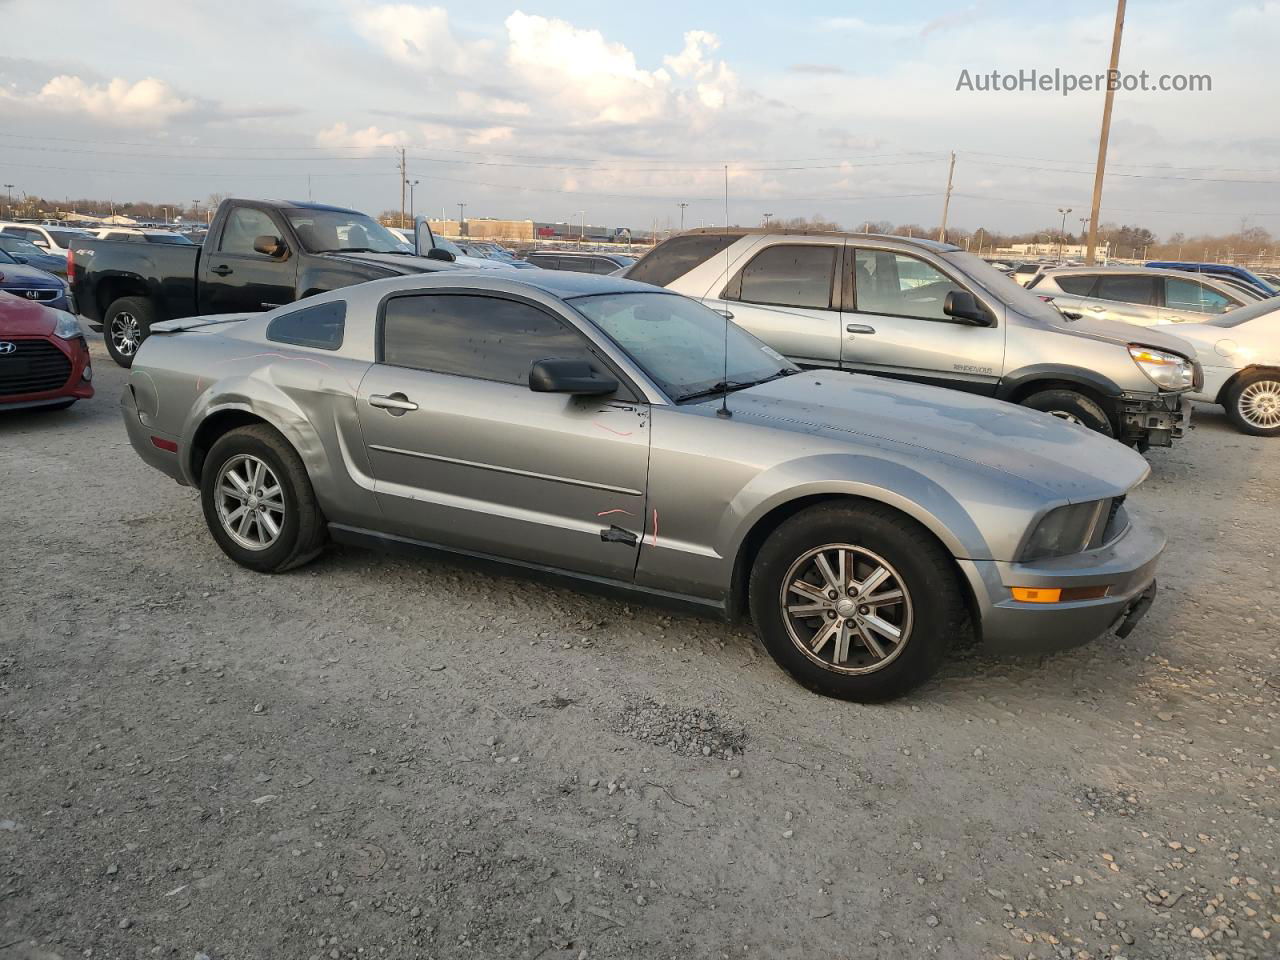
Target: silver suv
{"x":1141,"y":295}
{"x":930,"y":312}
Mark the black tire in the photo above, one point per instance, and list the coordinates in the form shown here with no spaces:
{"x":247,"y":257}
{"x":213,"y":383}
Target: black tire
{"x":125,"y":325}
{"x":1072,"y":405}
{"x":301,"y":534}
{"x":1250,"y":409}
{"x":934,"y":612}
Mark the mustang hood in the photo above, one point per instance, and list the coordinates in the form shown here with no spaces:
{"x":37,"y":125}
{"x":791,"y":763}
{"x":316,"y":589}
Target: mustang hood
{"x":1113,"y":331}
{"x":1062,"y":458}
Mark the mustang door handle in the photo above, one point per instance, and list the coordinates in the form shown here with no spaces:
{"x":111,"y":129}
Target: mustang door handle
{"x":859,"y":328}
{"x":221,"y":270}
{"x":397,"y":403}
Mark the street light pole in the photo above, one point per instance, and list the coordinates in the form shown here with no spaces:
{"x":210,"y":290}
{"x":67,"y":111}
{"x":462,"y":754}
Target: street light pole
{"x":582,"y":233}
{"x":9,"y":187}
{"x":412,"y":184}
{"x":462,"y":207}
{"x":767,"y":218}
{"x":1062,"y":233}
{"x":682,"y":206}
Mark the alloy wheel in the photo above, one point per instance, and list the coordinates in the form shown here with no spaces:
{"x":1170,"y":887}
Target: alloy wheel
{"x":1067,"y":416}
{"x":250,"y":502}
{"x":1259,"y":404}
{"x":846,"y":609}
{"x":125,"y":333}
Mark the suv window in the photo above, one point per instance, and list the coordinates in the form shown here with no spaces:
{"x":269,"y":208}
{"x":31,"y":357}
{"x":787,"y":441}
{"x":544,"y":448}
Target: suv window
{"x":788,"y":275}
{"x":544,"y":260}
{"x":244,"y":225}
{"x":899,"y":285}
{"x":1078,"y":285}
{"x":603,"y":266}
{"x":674,"y":258}
{"x":1182,"y":294}
{"x":64,"y":238}
{"x":1126,"y":288}
{"x":474,"y":336}
{"x":321,"y":326}
{"x":35,"y":236}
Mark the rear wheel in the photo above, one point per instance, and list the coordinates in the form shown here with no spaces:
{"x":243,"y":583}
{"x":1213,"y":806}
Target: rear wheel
{"x":1072,"y":406}
{"x":856,"y":601}
{"x":125,"y":325}
{"x":258,"y":501}
{"x":1253,"y":404}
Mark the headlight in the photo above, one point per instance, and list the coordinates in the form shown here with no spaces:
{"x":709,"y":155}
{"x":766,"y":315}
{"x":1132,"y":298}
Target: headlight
{"x":1168,"y":371}
{"x":1065,"y":531}
{"x":68,"y":327}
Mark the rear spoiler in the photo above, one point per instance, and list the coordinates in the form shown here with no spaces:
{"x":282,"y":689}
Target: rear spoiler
{"x":195,"y":323}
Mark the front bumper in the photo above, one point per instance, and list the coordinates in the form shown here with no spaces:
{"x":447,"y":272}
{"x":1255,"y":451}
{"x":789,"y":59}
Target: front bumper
{"x":1127,"y":566}
{"x":1154,"y":420}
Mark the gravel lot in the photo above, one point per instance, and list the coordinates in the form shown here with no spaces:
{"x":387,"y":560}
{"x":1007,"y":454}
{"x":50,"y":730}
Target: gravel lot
{"x":377,"y":757}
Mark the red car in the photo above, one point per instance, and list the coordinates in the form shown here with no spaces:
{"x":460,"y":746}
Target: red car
{"x":44,"y":359}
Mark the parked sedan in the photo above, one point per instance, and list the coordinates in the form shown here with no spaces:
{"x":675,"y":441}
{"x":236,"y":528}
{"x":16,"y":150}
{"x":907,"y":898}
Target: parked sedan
{"x":629,"y":437}
{"x":24,"y":251}
{"x":44,"y":360}
{"x":29,"y":283}
{"x":1240,"y":353}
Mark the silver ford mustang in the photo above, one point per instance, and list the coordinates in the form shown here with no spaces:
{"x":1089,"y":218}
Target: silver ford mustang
{"x":623,"y":435}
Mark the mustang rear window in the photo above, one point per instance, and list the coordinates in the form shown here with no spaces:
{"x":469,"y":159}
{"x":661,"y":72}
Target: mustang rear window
{"x":320,"y":326}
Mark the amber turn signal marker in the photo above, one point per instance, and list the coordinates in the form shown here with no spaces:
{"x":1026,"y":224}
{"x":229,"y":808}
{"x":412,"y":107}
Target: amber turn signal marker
{"x":1059,"y":594}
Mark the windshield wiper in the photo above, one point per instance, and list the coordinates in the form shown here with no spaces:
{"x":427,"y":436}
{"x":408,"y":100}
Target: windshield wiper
{"x":730,"y":386}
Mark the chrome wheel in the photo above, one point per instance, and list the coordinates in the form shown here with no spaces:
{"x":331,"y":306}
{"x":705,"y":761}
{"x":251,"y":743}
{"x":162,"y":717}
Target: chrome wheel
{"x":126,"y":335}
{"x":846,"y":608}
{"x":250,"y":502}
{"x":1259,"y":404}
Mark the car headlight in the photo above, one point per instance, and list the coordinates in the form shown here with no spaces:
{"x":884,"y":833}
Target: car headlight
{"x":1168,"y":371}
{"x":1065,"y":530}
{"x":68,"y":327}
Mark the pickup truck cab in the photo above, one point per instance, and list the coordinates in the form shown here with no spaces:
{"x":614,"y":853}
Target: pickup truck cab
{"x":258,"y":255}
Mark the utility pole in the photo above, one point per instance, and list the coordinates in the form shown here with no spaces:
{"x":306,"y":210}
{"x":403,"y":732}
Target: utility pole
{"x":582,"y":234}
{"x":1100,"y":172}
{"x":404,"y":179}
{"x":682,"y":206}
{"x":9,"y":187}
{"x":461,"y":209}
{"x":1062,"y":233}
{"x":946,"y":203}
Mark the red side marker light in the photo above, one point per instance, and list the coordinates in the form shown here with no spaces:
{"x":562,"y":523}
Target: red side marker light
{"x":163,"y":444}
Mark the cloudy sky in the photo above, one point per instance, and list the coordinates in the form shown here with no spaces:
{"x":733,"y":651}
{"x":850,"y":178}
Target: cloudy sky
{"x":544,"y":110}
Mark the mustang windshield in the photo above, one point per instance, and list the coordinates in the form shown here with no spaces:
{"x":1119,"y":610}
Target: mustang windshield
{"x":325,"y":231}
{"x":681,"y":344}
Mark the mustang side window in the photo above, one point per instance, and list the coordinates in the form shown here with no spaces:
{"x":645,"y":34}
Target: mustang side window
{"x":485,"y":338}
{"x":320,"y":326}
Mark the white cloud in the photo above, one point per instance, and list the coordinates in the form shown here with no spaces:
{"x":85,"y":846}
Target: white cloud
{"x":419,"y":37}
{"x":147,"y":103}
{"x":691,"y":61}
{"x":370,"y":139}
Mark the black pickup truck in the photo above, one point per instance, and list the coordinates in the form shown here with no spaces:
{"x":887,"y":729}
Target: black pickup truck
{"x":258,"y":254}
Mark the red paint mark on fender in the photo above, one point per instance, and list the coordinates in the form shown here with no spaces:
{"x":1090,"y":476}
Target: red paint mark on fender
{"x":605,"y":513}
{"x":616,"y":433}
{"x":655,"y":527}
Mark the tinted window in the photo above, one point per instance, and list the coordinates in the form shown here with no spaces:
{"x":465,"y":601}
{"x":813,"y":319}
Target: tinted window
{"x":35,"y":236}
{"x":64,"y":238}
{"x":576,"y":264}
{"x":601,"y":265}
{"x":1182,"y":294}
{"x":1077,"y":286}
{"x":320,"y":326}
{"x":245,"y":225}
{"x":790,"y":275}
{"x":673,"y":259}
{"x":481,"y":337}
{"x":546,"y":261}
{"x":1126,"y":289}
{"x":166,"y":238}
{"x":899,"y":285}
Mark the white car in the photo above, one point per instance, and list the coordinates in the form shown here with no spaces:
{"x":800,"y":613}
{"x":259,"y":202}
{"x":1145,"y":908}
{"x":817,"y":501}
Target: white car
{"x":1240,"y":353}
{"x":50,"y":239}
{"x":459,"y":257}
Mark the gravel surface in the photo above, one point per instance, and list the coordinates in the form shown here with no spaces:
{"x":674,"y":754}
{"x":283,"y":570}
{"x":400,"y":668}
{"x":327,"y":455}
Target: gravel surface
{"x":375,"y":757}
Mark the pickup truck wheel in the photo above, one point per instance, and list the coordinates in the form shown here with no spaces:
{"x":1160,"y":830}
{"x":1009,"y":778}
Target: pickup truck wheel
{"x":1072,"y":406}
{"x":856,"y":602}
{"x":126,"y":324}
{"x":258,"y":501}
{"x":1253,"y":404}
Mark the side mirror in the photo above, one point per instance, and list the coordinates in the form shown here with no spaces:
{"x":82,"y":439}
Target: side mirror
{"x":964,"y":306}
{"x":435,"y":253}
{"x":270,"y":246}
{"x":569,"y":376}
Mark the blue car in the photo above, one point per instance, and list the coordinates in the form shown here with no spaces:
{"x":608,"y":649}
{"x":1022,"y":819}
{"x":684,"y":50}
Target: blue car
{"x":24,"y":251}
{"x":27,"y":282}
{"x":1239,"y":274}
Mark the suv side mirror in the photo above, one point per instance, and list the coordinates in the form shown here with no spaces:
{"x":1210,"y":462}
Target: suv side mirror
{"x":964,"y":306}
{"x":569,"y":376}
{"x":435,"y":253}
{"x":269,"y":245}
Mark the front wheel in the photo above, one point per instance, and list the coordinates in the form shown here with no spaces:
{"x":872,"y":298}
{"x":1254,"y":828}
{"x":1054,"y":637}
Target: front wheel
{"x":258,"y":501}
{"x":1253,"y":404}
{"x":1072,"y":406}
{"x":125,"y":325}
{"x":856,"y":601}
